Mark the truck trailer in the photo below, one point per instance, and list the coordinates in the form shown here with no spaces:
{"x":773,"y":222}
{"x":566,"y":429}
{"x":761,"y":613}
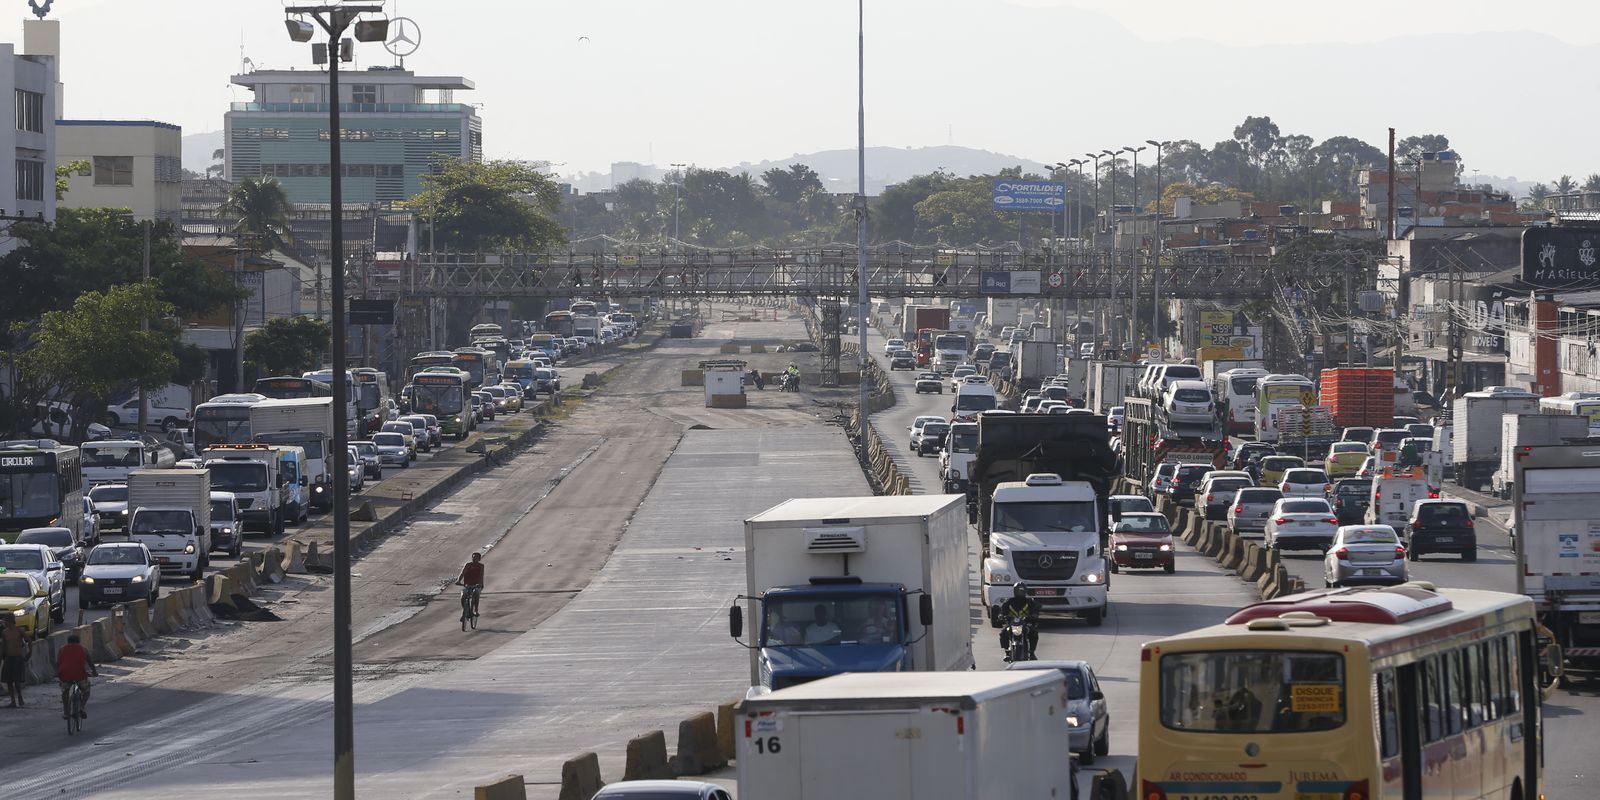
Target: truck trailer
{"x":1476,"y":418}
{"x":1557,"y":545}
{"x":169,"y":510}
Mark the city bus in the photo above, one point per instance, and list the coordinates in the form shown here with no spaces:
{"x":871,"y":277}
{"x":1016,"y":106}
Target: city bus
{"x":1273,"y":393}
{"x":584,"y":308}
{"x":352,"y":396}
{"x":224,"y":419}
{"x":521,"y":371}
{"x":545,"y":343}
{"x":1407,"y":692}
{"x":435,"y":358}
{"x":444,"y":395}
{"x":41,"y":484}
{"x":1578,"y":404}
{"x":288,"y":387}
{"x":1235,"y":390}
{"x":487,"y":330}
{"x":478,"y":363}
{"x":558,"y":323}
{"x":372,"y":399}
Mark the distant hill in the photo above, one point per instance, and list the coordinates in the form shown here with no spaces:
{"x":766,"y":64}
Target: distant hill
{"x":197,"y":150}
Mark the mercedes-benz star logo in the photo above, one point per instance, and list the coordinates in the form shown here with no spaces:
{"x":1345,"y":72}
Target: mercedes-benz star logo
{"x":404,"y":37}
{"x":1045,"y":561}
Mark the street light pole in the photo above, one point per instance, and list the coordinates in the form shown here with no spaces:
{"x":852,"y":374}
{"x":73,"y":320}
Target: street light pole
{"x":1155,"y":277}
{"x":335,"y":20}
{"x":675,"y":184}
{"x":861,"y":211}
{"x":1133,"y":295}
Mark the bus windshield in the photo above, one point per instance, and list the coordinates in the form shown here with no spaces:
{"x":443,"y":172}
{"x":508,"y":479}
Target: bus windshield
{"x":28,"y":495}
{"x":112,"y":455}
{"x":214,"y":428}
{"x":440,"y":401}
{"x":1252,"y":691}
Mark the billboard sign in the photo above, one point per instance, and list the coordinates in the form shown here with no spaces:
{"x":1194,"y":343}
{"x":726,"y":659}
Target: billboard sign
{"x":1012,"y":195}
{"x":1216,"y":329}
{"x":1004,"y":282}
{"x":1561,"y":259}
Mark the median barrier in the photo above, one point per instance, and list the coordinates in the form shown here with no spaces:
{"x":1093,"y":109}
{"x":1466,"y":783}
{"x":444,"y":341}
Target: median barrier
{"x":1235,"y":557}
{"x":182,"y":603}
{"x":294,"y":558}
{"x":729,"y":349}
{"x":313,"y":560}
{"x":220,"y":588}
{"x":647,"y":758}
{"x":1255,"y":562}
{"x":161,"y":619}
{"x":697,"y":746}
{"x":1219,"y":542}
{"x":1109,"y":785}
{"x":580,"y":777}
{"x":99,"y":644}
{"x":41,"y":662}
{"x":121,"y":641}
{"x":1202,"y":538}
{"x":139,"y":615}
{"x":272,"y":566}
{"x":725,"y":717}
{"x":245,"y":574}
{"x":199,"y":603}
{"x":1164,"y":507}
{"x":1190,"y":532}
{"x":508,"y":788}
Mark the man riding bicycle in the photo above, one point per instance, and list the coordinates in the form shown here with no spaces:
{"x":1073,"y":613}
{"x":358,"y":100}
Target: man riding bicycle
{"x":73,"y":668}
{"x":1019,"y":608}
{"x":471,"y":578}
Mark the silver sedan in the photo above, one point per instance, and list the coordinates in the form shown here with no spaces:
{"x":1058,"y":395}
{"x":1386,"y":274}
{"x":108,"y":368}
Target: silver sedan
{"x":1363,"y":554}
{"x":1300,"y":523}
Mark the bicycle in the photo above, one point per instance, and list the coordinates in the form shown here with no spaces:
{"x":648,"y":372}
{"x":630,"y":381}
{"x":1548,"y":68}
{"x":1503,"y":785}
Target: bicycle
{"x":73,"y":706}
{"x":469,"y":606}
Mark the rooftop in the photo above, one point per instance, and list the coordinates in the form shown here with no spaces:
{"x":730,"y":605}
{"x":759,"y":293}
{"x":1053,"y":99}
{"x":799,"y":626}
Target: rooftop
{"x":130,"y":123}
{"x":386,"y":75}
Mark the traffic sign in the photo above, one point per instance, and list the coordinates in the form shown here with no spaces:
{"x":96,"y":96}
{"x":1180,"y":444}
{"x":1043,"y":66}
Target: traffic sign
{"x":1056,"y":280}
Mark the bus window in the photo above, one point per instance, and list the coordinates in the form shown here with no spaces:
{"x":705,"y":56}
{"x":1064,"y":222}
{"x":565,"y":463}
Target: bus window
{"x":1252,"y":691}
{"x":1494,"y":677}
{"x":1455,"y":711}
{"x":1430,"y":702}
{"x":1513,"y":677}
{"x":1472,"y":691}
{"x":1388,"y":716}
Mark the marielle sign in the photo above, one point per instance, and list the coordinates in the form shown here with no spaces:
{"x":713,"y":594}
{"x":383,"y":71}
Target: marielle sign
{"x":1561,"y":259}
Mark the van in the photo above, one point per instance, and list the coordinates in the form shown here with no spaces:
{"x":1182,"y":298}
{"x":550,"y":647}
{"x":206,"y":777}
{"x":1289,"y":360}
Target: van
{"x":292,"y":466}
{"x":1394,"y":494}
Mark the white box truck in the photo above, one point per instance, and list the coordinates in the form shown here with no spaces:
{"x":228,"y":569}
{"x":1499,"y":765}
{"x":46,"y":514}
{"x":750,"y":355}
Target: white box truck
{"x":306,"y":423}
{"x":1002,"y":312}
{"x":251,"y":472}
{"x":1531,"y":430}
{"x":928,"y":736}
{"x":1077,"y":372}
{"x":855,"y":584}
{"x":1109,"y":382}
{"x":169,"y":510}
{"x":1557,"y":544}
{"x":1476,"y":436}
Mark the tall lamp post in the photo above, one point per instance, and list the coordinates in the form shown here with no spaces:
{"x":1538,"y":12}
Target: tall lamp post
{"x":861,"y":208}
{"x":1111,"y":221}
{"x":1096,"y":207}
{"x":335,"y":20}
{"x":1133,"y":295}
{"x":675,"y":184}
{"x":1077,"y":210}
{"x":1155,"y":277}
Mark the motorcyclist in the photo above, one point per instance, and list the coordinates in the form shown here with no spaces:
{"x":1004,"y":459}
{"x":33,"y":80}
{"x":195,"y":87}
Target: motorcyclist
{"x":791,"y":378}
{"x":1019,"y":607}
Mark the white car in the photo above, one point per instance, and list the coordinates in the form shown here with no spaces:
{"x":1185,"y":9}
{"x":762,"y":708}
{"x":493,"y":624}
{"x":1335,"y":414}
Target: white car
{"x":1189,"y":401}
{"x":1305,"y":482}
{"x":392,"y":449}
{"x":1300,"y":523}
{"x":1252,"y":506}
{"x":960,"y":374}
{"x":930,"y":382}
{"x":893,"y":345}
{"x":40,"y":562}
{"x":916,"y":426}
{"x":929,"y":439}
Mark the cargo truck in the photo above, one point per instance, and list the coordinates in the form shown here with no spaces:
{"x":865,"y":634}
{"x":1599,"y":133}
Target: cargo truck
{"x":1035,"y":362}
{"x":252,"y":472}
{"x":951,"y":348}
{"x":1110,"y":382}
{"x":169,"y":510}
{"x":1532,"y":430}
{"x":923,"y":317}
{"x":1038,"y":490}
{"x":1557,"y":544}
{"x":931,"y":736}
{"x":1475,"y":431}
{"x":1359,"y":397}
{"x":306,"y":423}
{"x":1213,"y":368}
{"x":1077,"y":371}
{"x":1003,"y":312}
{"x":855,"y":584}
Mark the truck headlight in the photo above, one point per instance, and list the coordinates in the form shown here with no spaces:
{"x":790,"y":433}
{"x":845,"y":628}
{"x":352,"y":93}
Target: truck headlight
{"x":1000,"y":576}
{"x":1166,"y":548}
{"x":1122,"y":548}
{"x":124,"y":512}
{"x":227,"y":530}
{"x":21,"y":612}
{"x":188,"y":548}
{"x":1093,"y":577}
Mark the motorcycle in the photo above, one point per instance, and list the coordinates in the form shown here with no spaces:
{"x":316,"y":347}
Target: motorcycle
{"x":1015,"y":635}
{"x":790,"y":384}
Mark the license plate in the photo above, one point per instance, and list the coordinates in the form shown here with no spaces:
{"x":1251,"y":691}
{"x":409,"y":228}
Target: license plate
{"x":112,"y":590}
{"x":1046,"y":592}
{"x":1306,"y":524}
{"x":1372,"y":572}
{"x":1144,"y":555}
{"x":1589,"y":618}
{"x":1444,"y":539}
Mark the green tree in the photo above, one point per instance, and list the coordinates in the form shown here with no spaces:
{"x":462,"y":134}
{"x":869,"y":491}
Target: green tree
{"x":93,"y":349}
{"x":481,"y":205}
{"x":259,"y":210}
{"x":1566,"y":185}
{"x":287,"y":345}
{"x":789,"y":185}
{"x":64,"y":175}
{"x":1203,"y":195}
{"x":1414,"y":146}
{"x":1592,"y":183}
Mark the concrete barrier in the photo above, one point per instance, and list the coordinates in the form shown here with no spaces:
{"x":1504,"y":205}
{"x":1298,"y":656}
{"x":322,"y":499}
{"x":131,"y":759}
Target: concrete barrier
{"x":725,"y":723}
{"x":1216,"y":546}
{"x":314,"y":560}
{"x":729,"y":349}
{"x":245,"y":573}
{"x":1255,"y":562}
{"x":41,"y":667}
{"x":1109,"y":785}
{"x":220,"y":588}
{"x":200,"y":604}
{"x":511,"y":787}
{"x":697,"y":746}
{"x":580,"y":777}
{"x":121,"y":641}
{"x":273,"y":564}
{"x":1235,"y":558}
{"x":647,"y":758}
{"x":99,"y":643}
{"x":294,"y":558}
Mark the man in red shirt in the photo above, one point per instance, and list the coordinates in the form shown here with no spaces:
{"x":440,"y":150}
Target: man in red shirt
{"x":74,"y":666}
{"x":471,"y":577}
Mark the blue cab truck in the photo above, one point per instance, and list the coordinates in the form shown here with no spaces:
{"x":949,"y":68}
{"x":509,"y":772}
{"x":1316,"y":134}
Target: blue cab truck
{"x":854,"y":584}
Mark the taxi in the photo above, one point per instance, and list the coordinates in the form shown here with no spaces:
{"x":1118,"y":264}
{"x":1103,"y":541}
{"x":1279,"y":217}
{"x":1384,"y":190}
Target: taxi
{"x":1273,"y":467}
{"x":26,"y":602}
{"x":1344,"y":459}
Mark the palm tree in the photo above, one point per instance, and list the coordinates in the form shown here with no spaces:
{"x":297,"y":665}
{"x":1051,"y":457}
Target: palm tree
{"x":1592,"y":183}
{"x":1565,"y":184}
{"x":261,"y":210}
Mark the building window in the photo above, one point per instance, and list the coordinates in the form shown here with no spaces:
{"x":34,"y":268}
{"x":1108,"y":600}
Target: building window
{"x":30,"y":180}
{"x":113,"y":170}
{"x":30,"y":111}
{"x":302,"y":94}
{"x":364,"y":93}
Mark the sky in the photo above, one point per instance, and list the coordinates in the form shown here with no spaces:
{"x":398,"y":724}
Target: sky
{"x":584,"y":83}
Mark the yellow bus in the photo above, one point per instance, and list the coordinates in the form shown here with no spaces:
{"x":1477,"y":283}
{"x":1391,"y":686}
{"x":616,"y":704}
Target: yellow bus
{"x":1403,"y":693}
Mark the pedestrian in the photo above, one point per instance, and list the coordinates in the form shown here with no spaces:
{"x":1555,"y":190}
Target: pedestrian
{"x":14,"y":652}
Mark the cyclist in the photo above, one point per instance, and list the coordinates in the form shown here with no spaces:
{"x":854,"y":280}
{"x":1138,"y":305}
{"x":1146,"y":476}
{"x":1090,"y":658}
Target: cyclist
{"x":74,"y":666}
{"x":471,"y":578}
{"x":1019,"y":607}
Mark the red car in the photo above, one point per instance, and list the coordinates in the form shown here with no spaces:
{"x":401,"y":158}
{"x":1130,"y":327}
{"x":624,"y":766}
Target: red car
{"x":1142,"y":540}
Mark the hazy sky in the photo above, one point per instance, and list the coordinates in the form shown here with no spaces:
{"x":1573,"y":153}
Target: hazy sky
{"x":718,"y":82}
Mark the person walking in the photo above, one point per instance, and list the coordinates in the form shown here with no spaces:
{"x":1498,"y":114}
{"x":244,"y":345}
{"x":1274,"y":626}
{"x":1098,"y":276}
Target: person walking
{"x":14,"y":652}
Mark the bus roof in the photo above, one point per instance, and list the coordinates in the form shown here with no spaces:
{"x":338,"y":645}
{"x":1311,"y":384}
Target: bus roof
{"x":236,"y":399}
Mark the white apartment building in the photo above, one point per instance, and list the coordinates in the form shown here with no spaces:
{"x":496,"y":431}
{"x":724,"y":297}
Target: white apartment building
{"x":27,"y":181}
{"x":132,"y":164}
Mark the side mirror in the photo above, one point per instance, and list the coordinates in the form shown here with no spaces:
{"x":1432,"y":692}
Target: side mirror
{"x":54,"y":566}
{"x":925,"y":609}
{"x":45,"y":592}
{"x":1097,"y":695}
{"x":735,"y":621}
{"x":952,"y":408}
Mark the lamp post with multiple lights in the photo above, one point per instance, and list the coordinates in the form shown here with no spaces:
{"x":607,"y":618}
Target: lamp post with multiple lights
{"x":335,"y":21}
{"x":1133,"y":294}
{"x":1155,"y":277}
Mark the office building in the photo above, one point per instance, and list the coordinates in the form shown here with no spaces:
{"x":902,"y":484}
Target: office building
{"x":132,"y":164}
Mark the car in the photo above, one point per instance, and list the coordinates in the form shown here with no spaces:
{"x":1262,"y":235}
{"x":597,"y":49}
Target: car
{"x":1364,"y":554}
{"x":63,"y":545}
{"x":513,"y":398}
{"x":893,"y":345}
{"x":1420,"y":430}
{"x":91,"y":523}
{"x":110,"y":505}
{"x":1300,"y":523}
{"x":1162,"y":478}
{"x":1368,"y":467}
{"x":371,"y":459}
{"x":435,"y":432}
{"x":1088,"y":717}
{"x":1273,"y":467}
{"x":1251,"y":451}
{"x":478,"y":412}
{"x":960,"y":373}
{"x":425,"y":437}
{"x":486,"y":401}
{"x":1114,"y":417}
{"x":902,"y":359}
{"x":1386,"y":444}
{"x":1189,"y":402}
{"x":1141,"y":540}
{"x":356,"y":474}
{"x":546,"y":380}
{"x":1344,"y":459}
{"x":1030,"y":405}
{"x":1119,"y":504}
{"x":408,"y":432}
{"x":227,"y":525}
{"x":1305,"y":482}
{"x":1357,"y":434}
{"x":930,"y":382}
{"x":40,"y":562}
{"x":662,"y":790}
{"x":392,"y":448}
{"x":27,"y":602}
{"x":919,"y":421}
{"x":1441,"y":526}
{"x":1214,"y":496}
{"x":1184,"y":480}
{"x":1351,"y":496}
{"x":117,"y":572}
{"x":929,"y":439}
{"x":1250,"y":509}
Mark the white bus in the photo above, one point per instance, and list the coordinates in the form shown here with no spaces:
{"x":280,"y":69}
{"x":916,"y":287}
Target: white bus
{"x":1275,"y":393}
{"x":224,"y":419}
{"x":1236,"y":394}
{"x":1578,"y":404}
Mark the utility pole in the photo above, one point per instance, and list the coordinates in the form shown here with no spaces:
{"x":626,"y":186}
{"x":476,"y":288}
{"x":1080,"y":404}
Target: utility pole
{"x":861,"y":210}
{"x":144,"y":327}
{"x":317,"y":263}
